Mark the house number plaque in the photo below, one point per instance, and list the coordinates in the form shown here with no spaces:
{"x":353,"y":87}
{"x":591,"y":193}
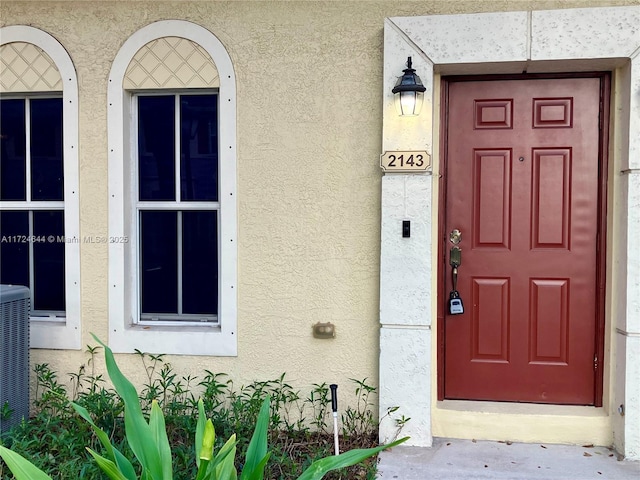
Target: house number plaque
{"x":403,"y":162}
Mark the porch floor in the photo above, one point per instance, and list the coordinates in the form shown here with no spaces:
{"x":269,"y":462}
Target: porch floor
{"x":453,"y":459}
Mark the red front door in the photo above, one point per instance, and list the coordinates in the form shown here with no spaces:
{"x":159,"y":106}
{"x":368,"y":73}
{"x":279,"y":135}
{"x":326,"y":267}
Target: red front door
{"x":522,"y":168}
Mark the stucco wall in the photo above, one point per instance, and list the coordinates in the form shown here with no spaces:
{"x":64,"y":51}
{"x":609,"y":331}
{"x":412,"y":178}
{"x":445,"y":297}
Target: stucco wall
{"x":309,"y":135}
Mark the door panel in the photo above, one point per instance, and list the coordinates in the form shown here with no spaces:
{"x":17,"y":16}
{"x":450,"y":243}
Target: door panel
{"x":522,"y":187}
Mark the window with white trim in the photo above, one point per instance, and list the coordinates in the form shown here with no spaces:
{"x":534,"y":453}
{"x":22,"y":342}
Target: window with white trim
{"x":39,"y":208}
{"x":172,"y":193}
{"x":32,"y":236}
{"x":177,"y":207}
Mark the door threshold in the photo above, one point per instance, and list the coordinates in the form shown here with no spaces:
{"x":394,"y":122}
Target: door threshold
{"x":515,"y":408}
{"x":522,"y":422}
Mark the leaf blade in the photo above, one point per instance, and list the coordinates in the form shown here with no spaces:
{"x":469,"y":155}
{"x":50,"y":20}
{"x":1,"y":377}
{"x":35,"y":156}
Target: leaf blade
{"x":159,"y":432}
{"x":21,"y":468}
{"x":320,"y":468}
{"x":200,"y":430}
{"x":257,"y":446}
{"x":107,"y":466}
{"x":226,"y":468}
{"x":137,"y":430}
{"x":123,"y":463}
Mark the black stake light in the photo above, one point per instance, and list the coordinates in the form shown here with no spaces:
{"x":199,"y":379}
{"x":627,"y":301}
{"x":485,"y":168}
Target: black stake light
{"x":334,"y":408}
{"x":409,"y":92}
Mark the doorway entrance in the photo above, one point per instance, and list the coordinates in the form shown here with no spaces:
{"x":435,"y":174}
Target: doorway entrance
{"x":524,"y":187}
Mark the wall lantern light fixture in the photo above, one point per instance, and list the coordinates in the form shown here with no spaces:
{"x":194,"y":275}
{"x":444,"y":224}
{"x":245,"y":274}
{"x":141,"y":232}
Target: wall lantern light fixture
{"x":409,"y":92}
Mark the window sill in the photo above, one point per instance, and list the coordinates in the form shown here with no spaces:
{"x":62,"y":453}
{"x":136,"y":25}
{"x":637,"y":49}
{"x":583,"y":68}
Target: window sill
{"x":209,"y":340}
{"x":53,"y":334}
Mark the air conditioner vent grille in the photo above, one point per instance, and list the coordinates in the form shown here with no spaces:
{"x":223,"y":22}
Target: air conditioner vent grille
{"x":14,"y":355}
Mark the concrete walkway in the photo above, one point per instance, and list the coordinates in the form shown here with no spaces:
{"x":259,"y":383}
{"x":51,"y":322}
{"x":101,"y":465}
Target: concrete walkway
{"x":450,"y":459}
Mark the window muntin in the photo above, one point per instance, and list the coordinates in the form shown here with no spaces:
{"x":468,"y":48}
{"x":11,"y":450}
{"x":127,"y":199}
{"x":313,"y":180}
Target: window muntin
{"x":177,"y":208}
{"x":32,"y":201}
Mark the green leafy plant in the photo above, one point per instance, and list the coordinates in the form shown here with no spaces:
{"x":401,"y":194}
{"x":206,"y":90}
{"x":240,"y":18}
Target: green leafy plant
{"x":149,"y":443}
{"x":6,"y":411}
{"x":356,"y":421}
{"x":319,"y":400}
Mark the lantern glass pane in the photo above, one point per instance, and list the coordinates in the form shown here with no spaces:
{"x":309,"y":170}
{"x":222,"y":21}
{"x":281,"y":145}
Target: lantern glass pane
{"x":409,"y":104}
{"x":419,"y":101}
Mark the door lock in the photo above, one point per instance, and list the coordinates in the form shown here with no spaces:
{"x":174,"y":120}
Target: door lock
{"x":455,"y":236}
{"x":455,"y":304}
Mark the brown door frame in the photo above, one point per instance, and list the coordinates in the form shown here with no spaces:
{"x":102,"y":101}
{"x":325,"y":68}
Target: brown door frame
{"x":605,"y":93}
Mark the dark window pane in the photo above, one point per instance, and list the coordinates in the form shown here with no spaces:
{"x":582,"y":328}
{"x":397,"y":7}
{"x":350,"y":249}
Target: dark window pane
{"x":14,"y":250}
{"x":200,"y":262}
{"x":159,"y":261}
{"x":46,"y":149}
{"x":156,"y":148}
{"x":48,"y":260}
{"x":13,"y":140}
{"x":199,"y":147}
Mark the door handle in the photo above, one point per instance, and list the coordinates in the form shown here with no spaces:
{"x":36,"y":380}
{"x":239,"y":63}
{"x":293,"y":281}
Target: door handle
{"x":455,"y":260}
{"x":455,"y":256}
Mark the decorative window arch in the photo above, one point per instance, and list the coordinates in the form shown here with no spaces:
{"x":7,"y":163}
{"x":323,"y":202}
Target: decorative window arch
{"x":43,"y":67}
{"x":168,"y":58}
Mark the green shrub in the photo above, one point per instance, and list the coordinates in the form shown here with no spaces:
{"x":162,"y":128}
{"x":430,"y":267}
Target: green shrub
{"x":141,"y":421}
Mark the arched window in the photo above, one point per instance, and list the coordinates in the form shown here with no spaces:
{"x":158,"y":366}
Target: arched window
{"x":39,"y":219}
{"x":172,"y":193}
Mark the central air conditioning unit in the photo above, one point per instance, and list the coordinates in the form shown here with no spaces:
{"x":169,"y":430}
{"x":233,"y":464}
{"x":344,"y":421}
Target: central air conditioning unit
{"x":14,"y":355}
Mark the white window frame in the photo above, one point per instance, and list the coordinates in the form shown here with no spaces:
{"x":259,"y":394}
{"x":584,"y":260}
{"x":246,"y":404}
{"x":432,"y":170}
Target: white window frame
{"x":126,"y":333}
{"x":60,"y":332}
